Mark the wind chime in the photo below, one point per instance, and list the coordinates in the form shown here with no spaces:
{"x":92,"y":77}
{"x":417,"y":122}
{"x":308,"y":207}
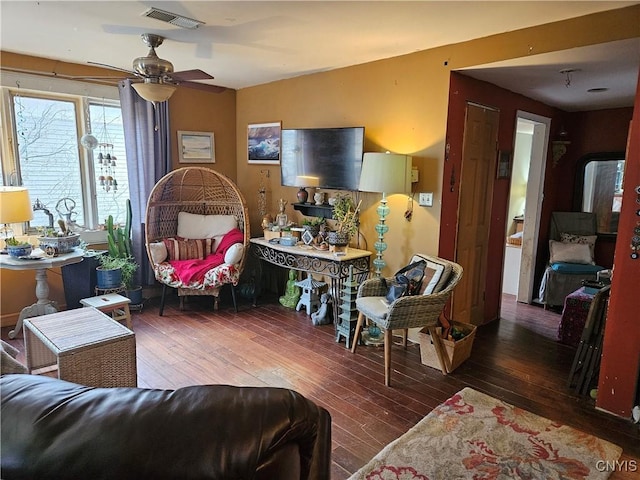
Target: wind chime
{"x":106,"y":158}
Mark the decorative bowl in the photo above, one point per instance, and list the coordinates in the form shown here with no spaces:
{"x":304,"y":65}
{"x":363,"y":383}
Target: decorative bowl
{"x":59,"y":245}
{"x":19,"y":250}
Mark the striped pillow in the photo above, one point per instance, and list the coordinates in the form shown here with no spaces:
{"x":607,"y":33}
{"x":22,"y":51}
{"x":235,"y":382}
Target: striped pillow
{"x":188,"y":249}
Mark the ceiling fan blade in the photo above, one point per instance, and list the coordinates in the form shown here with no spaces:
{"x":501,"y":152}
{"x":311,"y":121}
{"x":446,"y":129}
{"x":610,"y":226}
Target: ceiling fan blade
{"x":187,"y":75}
{"x":202,"y":86}
{"x":111,"y":67}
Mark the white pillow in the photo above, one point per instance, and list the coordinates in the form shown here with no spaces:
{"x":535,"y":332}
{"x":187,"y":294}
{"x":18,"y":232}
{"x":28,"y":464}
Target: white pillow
{"x":569,"y":252}
{"x":158,"y":252}
{"x":586,"y":239}
{"x":191,"y":225}
{"x":234,"y":253}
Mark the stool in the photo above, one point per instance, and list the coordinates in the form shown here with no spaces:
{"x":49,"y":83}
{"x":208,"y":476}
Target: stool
{"x":86,"y":345}
{"x":112,"y":302}
{"x":309,"y":298}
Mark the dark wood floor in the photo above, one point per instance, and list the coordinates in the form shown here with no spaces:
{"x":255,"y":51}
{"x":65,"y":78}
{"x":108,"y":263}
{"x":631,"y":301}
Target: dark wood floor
{"x":515,"y":359}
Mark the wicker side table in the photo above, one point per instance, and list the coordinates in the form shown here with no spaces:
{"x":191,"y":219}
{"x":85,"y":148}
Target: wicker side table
{"x":87,"y":345}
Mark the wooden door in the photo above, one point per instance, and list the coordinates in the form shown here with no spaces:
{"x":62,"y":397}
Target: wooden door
{"x":474,"y":211}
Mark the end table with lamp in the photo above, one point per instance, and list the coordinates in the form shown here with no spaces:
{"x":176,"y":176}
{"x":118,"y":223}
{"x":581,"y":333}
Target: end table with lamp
{"x":43,"y":305}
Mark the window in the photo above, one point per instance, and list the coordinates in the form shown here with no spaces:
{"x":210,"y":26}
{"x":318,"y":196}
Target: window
{"x":73,"y":183}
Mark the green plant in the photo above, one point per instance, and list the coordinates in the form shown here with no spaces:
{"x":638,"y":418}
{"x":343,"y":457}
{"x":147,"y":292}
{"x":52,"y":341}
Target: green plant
{"x":119,"y":249}
{"x":345,"y":214}
{"x":313,"y":222}
{"x":12,"y":242}
{"x":127,"y":266}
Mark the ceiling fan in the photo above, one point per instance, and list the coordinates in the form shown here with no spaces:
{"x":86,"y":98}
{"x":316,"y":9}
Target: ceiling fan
{"x":159,"y":81}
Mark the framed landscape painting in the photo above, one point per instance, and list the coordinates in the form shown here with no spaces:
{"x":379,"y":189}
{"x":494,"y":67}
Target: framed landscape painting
{"x":196,"y":147}
{"x":263,"y":143}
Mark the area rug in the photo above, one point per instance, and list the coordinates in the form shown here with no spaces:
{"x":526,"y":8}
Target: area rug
{"x":475,"y":436}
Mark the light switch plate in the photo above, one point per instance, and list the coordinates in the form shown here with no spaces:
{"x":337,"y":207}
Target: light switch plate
{"x":425,"y":199}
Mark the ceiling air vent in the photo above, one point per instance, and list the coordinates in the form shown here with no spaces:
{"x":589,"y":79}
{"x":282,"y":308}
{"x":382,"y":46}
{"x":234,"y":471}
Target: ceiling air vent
{"x":172,"y":18}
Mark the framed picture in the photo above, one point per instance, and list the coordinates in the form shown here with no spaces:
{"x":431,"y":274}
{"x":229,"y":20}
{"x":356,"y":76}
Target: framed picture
{"x":196,"y":147}
{"x":263,"y":143}
{"x":504,"y":165}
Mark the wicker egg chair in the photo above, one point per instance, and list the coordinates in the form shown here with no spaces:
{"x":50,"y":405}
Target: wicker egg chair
{"x":200,"y":191}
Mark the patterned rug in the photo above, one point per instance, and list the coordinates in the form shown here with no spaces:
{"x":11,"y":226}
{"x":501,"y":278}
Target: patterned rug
{"x":475,"y":436}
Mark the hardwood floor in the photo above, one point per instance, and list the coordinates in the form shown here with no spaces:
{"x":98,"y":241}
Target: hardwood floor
{"x":515,"y":359}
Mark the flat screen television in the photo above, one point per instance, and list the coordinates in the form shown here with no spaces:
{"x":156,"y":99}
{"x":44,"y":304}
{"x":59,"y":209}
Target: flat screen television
{"x":333,"y":155}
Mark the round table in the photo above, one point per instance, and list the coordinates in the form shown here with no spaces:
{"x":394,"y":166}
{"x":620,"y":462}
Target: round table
{"x":43,"y":305}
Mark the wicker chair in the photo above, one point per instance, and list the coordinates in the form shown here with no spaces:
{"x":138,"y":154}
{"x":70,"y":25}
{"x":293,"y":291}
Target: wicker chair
{"x":201,"y":191}
{"x":406,"y":312}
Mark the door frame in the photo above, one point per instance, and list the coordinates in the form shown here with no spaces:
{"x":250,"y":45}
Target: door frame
{"x":533,"y":202}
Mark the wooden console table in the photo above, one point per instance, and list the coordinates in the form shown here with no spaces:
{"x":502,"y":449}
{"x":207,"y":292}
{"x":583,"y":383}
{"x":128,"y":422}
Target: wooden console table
{"x":306,"y":259}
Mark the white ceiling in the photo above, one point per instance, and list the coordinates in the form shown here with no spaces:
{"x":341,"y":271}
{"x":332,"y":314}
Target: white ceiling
{"x":245,"y":43}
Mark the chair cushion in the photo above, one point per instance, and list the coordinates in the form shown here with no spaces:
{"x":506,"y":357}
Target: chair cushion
{"x":374,"y":308}
{"x":436,"y":275}
{"x":191,"y":225}
{"x":187,"y":249}
{"x":569,"y":252}
{"x":575,"y":268}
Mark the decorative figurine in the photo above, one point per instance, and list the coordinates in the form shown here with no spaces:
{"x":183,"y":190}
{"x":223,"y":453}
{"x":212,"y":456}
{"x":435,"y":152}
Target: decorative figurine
{"x":292,"y":292}
{"x":281,"y":218}
{"x":322,"y":317}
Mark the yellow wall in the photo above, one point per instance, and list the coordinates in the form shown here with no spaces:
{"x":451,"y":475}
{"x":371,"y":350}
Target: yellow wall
{"x":402,"y":103}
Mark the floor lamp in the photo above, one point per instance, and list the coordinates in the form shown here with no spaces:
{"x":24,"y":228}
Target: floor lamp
{"x":384,"y":173}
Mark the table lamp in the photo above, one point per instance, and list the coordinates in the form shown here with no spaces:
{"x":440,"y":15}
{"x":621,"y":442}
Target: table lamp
{"x":304,"y":181}
{"x":15,"y":207}
{"x":384,"y":173}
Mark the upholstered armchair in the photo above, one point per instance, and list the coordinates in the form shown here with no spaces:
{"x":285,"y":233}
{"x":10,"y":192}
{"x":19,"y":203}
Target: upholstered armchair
{"x":420,"y":310}
{"x":572,"y":238}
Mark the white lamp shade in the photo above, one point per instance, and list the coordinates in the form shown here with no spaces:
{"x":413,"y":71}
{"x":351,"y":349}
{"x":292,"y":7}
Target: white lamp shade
{"x":385,"y":173}
{"x":307,"y":181}
{"x":15,"y":205}
{"x":154,"y":92}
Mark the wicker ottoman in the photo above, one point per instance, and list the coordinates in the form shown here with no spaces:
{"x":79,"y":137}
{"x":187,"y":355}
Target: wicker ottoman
{"x":88,"y":347}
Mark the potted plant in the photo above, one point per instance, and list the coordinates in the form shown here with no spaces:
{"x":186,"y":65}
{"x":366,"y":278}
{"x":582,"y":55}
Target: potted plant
{"x":17,"y":248}
{"x":313,"y":225}
{"x":58,"y":242}
{"x":119,"y":259}
{"x":345,"y":214}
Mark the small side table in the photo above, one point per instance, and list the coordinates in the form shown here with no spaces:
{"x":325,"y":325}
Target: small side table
{"x":88,"y":347}
{"x":574,"y":315}
{"x":112,"y":303}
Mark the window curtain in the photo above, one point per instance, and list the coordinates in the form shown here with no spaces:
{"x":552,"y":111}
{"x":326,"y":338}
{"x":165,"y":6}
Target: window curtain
{"x":148,"y":147}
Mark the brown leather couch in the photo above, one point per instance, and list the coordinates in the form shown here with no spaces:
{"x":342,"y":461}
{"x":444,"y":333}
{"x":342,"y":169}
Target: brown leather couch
{"x":55,"y":429}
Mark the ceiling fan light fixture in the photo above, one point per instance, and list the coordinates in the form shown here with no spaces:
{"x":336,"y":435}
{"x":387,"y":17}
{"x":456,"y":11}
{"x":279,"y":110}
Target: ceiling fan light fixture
{"x":154,"y":92}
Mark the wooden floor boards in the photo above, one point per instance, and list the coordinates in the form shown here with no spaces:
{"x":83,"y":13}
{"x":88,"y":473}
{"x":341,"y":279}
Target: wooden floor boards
{"x":516,"y":359}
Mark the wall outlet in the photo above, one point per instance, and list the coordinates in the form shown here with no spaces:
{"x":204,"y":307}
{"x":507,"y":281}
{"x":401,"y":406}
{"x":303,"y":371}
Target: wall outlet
{"x":425,"y":199}
{"x":414,"y":175}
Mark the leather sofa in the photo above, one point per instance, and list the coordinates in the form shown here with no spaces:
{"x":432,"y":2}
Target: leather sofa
{"x":55,"y":429}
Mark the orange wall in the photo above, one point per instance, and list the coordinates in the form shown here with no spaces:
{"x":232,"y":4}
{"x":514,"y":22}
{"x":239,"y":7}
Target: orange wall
{"x":620,"y":369}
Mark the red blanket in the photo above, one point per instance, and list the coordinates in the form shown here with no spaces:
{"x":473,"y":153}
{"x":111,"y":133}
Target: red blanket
{"x":195,"y":269}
